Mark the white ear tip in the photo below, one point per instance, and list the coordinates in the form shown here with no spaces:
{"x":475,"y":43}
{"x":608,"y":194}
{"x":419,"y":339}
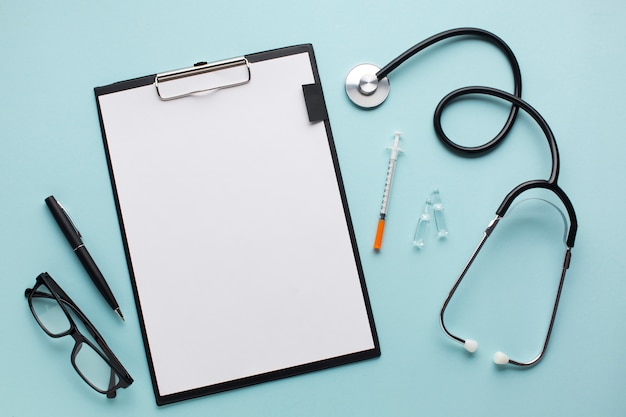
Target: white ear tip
{"x":470,"y":345}
{"x":500,"y":358}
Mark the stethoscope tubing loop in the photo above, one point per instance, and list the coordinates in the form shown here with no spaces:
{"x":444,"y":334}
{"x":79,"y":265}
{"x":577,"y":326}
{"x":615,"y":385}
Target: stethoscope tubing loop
{"x":516,"y":101}
{"x":550,"y":184}
{"x":517,"y":82}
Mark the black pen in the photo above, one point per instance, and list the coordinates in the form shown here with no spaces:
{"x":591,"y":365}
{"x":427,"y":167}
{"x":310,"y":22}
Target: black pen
{"x":74,"y":238}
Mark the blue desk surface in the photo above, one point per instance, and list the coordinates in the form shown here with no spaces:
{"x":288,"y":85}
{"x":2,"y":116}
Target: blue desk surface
{"x":572,"y":57}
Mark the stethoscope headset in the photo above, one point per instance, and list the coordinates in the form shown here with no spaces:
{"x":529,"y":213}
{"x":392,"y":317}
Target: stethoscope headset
{"x":368,"y":86}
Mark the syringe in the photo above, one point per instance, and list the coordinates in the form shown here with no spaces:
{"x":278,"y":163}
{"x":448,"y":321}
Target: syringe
{"x":395,"y":150}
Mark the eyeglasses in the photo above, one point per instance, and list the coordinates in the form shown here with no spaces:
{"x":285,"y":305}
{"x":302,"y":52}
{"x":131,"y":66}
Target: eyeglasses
{"x":91,"y":357}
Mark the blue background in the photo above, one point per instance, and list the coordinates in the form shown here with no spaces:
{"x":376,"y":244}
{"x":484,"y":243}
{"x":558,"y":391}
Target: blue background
{"x":52,"y":55}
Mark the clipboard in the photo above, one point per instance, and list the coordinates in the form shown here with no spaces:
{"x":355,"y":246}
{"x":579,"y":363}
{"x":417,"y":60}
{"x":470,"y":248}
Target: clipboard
{"x":238,"y":238}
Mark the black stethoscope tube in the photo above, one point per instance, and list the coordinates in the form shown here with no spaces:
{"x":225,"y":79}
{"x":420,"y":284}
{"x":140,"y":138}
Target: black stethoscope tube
{"x":517,"y":83}
{"x":517,"y":102}
{"x":551,"y":183}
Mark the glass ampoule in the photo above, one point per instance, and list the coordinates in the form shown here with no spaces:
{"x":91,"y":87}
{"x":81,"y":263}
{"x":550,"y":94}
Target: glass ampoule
{"x":440,"y":221}
{"x":422,"y":226}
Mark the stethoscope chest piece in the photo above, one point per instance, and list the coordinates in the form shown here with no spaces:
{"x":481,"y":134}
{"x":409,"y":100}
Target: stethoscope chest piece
{"x":364,"y":88}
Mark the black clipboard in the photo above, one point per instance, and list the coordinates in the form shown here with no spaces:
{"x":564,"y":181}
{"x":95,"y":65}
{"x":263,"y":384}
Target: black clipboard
{"x":235,"y":223}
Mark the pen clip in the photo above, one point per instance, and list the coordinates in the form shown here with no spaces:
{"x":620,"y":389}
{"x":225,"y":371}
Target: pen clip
{"x":65,"y":212}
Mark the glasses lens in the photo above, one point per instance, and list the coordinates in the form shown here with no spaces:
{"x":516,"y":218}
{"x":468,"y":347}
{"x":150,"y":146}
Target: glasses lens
{"x":93,"y":368}
{"x":48,"y":312}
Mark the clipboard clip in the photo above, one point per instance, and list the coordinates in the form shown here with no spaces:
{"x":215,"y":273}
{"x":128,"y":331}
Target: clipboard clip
{"x":202,"y":77}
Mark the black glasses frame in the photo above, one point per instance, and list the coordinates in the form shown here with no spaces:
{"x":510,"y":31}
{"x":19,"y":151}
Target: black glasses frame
{"x":118,"y":372}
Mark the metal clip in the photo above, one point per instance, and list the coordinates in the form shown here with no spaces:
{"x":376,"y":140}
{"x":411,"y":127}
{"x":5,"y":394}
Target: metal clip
{"x":71,"y":220}
{"x":210,"y":75}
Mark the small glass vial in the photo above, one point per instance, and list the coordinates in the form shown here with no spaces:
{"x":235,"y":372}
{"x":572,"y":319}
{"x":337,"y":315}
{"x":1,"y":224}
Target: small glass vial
{"x":422,"y":226}
{"x":440,"y":221}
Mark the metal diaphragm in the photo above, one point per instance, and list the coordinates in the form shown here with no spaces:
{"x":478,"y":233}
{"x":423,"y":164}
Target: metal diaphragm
{"x":364,"y":88}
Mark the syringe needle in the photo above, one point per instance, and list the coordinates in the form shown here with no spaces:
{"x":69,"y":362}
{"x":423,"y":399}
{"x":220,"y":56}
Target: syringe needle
{"x":395,"y":150}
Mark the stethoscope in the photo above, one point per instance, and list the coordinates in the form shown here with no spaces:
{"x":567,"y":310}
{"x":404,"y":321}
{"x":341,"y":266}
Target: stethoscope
{"x":368,"y":86}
